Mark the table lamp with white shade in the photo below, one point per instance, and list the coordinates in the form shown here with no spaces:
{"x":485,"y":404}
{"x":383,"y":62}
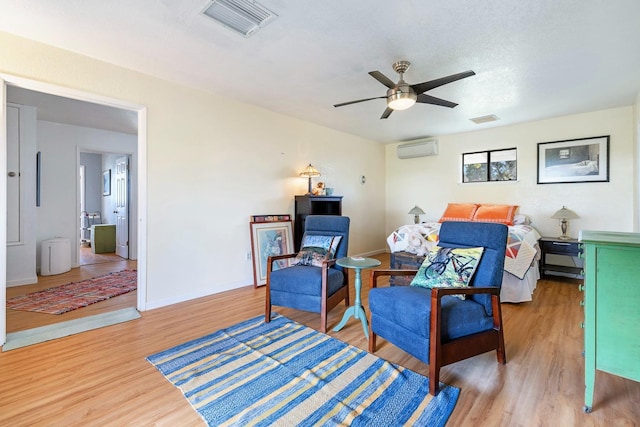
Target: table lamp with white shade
{"x":563,"y":215}
{"x":416,"y":212}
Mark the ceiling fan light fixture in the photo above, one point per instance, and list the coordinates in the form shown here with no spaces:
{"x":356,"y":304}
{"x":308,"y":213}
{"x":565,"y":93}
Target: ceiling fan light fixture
{"x":399,"y":100}
{"x":402,"y":96}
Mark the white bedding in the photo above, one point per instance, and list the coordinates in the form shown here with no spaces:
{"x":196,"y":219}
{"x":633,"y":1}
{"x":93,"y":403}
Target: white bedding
{"x":586,"y":167}
{"x":521,"y":263}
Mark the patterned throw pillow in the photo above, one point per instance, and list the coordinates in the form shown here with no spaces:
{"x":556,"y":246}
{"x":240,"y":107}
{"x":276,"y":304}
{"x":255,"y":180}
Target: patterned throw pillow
{"x":448,"y":267}
{"x":315,"y":249}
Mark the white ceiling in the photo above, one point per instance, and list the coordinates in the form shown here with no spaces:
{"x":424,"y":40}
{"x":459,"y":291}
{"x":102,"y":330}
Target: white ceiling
{"x":58,"y":109}
{"x":533,"y":59}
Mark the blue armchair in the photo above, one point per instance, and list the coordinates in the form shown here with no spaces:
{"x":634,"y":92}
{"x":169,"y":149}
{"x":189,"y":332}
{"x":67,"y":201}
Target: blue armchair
{"x":435,"y":326}
{"x":311,"y":288}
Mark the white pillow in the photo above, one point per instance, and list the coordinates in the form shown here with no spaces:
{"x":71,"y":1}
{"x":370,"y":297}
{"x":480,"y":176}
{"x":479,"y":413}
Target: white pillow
{"x":521,"y":219}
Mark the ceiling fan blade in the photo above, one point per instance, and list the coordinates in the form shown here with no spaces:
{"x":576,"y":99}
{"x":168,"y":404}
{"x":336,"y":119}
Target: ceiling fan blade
{"x":432,"y":84}
{"x":359,"y":100}
{"x":428,"y":99}
{"x":386,"y":113}
{"x":382,"y":79}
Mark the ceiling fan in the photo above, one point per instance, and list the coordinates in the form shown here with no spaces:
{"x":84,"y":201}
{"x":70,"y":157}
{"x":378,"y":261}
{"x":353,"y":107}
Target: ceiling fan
{"x":401,"y":95}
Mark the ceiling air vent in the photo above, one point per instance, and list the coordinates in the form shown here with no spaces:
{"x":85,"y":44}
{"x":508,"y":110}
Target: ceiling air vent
{"x":485,"y":119}
{"x":243,"y":16}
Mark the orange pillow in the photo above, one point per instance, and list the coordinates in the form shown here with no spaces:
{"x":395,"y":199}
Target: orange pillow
{"x":502,"y":214}
{"x":459,"y":212}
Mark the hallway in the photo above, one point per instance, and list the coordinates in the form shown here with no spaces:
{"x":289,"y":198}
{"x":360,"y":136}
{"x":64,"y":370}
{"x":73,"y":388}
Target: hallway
{"x":87,"y":257}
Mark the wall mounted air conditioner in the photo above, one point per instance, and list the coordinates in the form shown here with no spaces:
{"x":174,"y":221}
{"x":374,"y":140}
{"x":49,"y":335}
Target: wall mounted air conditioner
{"x":418,"y":148}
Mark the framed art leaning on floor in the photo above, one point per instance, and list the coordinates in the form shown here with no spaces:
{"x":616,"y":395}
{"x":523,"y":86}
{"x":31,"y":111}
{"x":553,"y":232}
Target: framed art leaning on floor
{"x":268,"y":239}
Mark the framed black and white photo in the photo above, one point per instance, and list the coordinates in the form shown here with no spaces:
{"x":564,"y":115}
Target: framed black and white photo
{"x":574,"y":160}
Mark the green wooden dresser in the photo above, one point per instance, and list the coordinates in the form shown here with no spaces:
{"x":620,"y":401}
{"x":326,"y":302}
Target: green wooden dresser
{"x":611,"y":306}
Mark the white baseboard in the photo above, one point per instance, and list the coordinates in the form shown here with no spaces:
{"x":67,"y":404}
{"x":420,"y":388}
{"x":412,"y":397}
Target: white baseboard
{"x":150,"y":305}
{"x":23,"y":281}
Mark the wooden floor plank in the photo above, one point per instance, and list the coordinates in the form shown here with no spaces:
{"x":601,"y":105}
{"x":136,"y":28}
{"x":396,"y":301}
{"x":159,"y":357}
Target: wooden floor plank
{"x":101,"y":377}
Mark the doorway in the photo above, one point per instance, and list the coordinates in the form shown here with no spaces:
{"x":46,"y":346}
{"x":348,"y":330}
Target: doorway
{"x":137,"y":228}
{"x":104,"y":207}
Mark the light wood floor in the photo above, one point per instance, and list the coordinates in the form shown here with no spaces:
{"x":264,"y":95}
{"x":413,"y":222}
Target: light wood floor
{"x":101,"y":377}
{"x":88,"y":257}
{"x":21,"y":320}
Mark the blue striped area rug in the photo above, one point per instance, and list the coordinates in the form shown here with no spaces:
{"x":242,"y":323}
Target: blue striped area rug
{"x":286,"y":374}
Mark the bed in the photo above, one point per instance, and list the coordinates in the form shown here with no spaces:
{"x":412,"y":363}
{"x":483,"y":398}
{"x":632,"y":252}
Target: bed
{"x":585,"y":167}
{"x":410,"y":243}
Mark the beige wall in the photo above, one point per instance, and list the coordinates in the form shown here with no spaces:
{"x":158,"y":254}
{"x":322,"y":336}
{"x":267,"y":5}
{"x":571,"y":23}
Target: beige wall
{"x":212,"y":162}
{"x":432,"y":182}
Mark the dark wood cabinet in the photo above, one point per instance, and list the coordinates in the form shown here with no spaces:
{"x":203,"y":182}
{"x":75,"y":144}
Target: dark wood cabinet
{"x":312,"y":205}
{"x":566,"y":248}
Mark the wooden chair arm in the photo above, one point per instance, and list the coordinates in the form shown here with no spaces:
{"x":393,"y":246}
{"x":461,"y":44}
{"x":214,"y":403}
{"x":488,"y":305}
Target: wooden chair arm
{"x":277,"y":257}
{"x":328,"y":263}
{"x":273,"y":258}
{"x":373,"y":281}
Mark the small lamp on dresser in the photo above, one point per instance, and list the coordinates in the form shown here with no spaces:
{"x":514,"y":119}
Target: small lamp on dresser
{"x":563,"y":215}
{"x":416,"y":212}
{"x":309,"y":172}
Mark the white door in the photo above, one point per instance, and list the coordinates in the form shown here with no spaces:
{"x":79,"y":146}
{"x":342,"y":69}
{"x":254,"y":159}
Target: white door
{"x":13,"y":175}
{"x":122,"y":206}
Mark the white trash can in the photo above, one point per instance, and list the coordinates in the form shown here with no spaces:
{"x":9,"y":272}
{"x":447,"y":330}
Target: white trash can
{"x":55,"y":256}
